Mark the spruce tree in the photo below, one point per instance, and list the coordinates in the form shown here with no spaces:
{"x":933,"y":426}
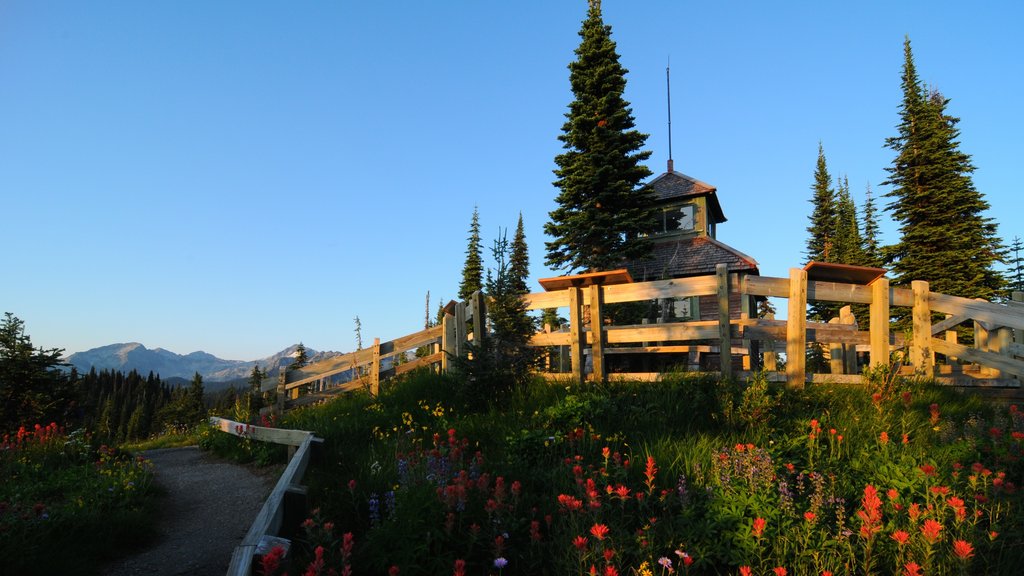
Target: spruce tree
{"x":519,"y":260}
{"x":945,"y":238}
{"x":821,"y":232}
{"x":301,"y":357}
{"x":256,"y":379}
{"x":473,"y":269}
{"x":1015,"y":279}
{"x":872,"y":249}
{"x":849,"y":247}
{"x":604,"y":214}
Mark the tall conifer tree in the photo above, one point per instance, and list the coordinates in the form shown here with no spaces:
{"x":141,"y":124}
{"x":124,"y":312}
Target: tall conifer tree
{"x":604,"y":214}
{"x":872,"y":250}
{"x":821,"y":232}
{"x":519,"y":259}
{"x":473,"y":269}
{"x":944,"y":236}
{"x":848,"y":243}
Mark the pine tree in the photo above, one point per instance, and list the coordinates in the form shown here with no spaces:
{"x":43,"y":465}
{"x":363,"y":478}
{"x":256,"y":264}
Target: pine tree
{"x":32,"y":388}
{"x":1016,"y":272}
{"x":256,"y":379}
{"x":872,"y":249}
{"x":849,"y":248}
{"x":604,"y":214}
{"x":519,"y":260}
{"x":823,"y":217}
{"x":944,"y":237}
{"x":301,"y":357}
{"x":473,"y":269}
{"x":359,"y":334}
{"x":195,"y":401}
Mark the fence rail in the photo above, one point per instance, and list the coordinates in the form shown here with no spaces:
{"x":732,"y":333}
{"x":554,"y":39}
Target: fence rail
{"x":286,"y":506}
{"x":587,"y":342}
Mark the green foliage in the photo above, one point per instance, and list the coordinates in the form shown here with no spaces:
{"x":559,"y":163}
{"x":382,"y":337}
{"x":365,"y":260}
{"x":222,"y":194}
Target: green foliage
{"x":945,"y":238}
{"x":603,"y":214}
{"x":66,"y":505}
{"x":519,"y":260}
{"x":301,"y":358}
{"x":821,"y":232}
{"x":32,"y":387}
{"x":871,"y":242}
{"x":707,"y":459}
{"x":1015,"y":276}
{"x":473,"y":269}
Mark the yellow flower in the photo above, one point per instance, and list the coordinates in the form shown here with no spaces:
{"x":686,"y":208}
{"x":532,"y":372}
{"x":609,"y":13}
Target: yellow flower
{"x":644,"y":569}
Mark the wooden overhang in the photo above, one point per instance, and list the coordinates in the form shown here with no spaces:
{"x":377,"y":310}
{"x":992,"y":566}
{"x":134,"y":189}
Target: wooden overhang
{"x":847,"y":273}
{"x":605,"y":278}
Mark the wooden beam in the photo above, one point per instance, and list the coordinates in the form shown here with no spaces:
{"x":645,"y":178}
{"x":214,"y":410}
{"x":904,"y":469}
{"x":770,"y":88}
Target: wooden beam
{"x":675,"y":288}
{"x":576,"y":334}
{"x":879,"y":320}
{"x":796,"y":332}
{"x":724,"y":338}
{"x":597,"y":331}
{"x":835,"y":353}
{"x":988,"y":312}
{"x":375,"y":369}
{"x":263,"y":434}
{"x":550,"y":339}
{"x":847,"y":318}
{"x":921,"y":353}
{"x":770,"y":357}
{"x":479,"y":304}
{"x":995,"y":360}
{"x":542,"y":300}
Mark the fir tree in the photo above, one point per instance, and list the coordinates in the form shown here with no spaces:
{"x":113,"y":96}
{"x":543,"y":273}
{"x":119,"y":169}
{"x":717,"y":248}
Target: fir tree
{"x":872,"y":249}
{"x":359,"y":334}
{"x":32,"y":388}
{"x":604,"y":214}
{"x":256,"y":379}
{"x":519,"y":260}
{"x":848,"y":247}
{"x":944,"y":237}
{"x":821,"y":232}
{"x":473,"y":269}
{"x":1016,"y":272}
{"x":301,"y":357}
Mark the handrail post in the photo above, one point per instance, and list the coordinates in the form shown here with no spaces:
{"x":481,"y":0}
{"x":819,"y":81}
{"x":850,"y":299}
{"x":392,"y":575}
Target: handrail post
{"x":796,"y":329}
{"x":921,"y":351}
{"x":770,"y":358}
{"x":847,"y":318}
{"x":282,"y":381}
{"x":597,"y":331}
{"x":479,"y":304}
{"x":447,"y":341}
{"x":724,"y":338}
{"x":879,"y":320}
{"x":375,"y":369}
{"x":577,"y":337}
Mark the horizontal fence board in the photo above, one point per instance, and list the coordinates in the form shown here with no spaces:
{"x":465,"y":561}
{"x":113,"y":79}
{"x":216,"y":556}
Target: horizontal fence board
{"x":550,"y":339}
{"x":418,"y":363}
{"x":272,"y":435}
{"x":543,"y":300}
{"x":704,"y":330}
{"x":991,"y":313}
{"x":838,"y":292}
{"x":901,"y":297}
{"x":989,"y":359}
{"x":421,"y":338}
{"x":766,"y":286}
{"x":675,"y":288}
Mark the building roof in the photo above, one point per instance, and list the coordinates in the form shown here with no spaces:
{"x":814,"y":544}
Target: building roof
{"x":674,"y":185}
{"x":695,"y":256}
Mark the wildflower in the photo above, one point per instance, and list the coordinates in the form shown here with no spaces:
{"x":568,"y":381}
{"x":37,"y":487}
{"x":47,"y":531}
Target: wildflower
{"x":963,"y":549}
{"x":649,"y":472}
{"x":745,"y":571}
{"x":934,"y":414}
{"x":580,"y":542}
{"x":779,"y":571}
{"x":608,"y":555}
{"x":393,"y":571}
{"x":931,"y":530}
{"x":644,"y":569}
{"x":900,"y":537}
{"x":535,"y":531}
{"x":611,"y":571}
{"x":911,"y":569}
{"x":883,"y":438}
{"x":809,"y":517}
{"x":870,"y":513}
{"x":665,"y":563}
{"x":993,"y":535}
{"x":570,"y":503}
{"x":272,"y":560}
{"x":927,"y":469}
{"x":500,"y":563}
{"x":906,"y":438}
{"x":599,"y":531}
{"x":758,"y":528}
{"x":460,"y":568}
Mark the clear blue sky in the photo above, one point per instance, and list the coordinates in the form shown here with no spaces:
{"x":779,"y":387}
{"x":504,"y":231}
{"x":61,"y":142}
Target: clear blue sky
{"x":237,"y":176}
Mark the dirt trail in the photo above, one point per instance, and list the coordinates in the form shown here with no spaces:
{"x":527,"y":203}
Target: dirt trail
{"x":208,"y":507}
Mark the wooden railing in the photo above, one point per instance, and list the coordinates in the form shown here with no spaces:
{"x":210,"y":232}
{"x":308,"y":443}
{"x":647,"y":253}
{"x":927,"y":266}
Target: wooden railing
{"x":998,"y":327}
{"x":733,"y":333}
{"x":286,"y":506}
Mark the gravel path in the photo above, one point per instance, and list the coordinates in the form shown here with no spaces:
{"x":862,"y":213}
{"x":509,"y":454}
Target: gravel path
{"x":208,"y":507}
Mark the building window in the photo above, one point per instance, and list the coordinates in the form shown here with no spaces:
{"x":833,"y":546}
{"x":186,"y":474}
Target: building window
{"x":678,"y":219}
{"x":684,"y":309}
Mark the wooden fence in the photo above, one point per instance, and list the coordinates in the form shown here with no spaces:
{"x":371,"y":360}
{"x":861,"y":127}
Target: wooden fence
{"x":286,"y":506}
{"x":996,"y":358}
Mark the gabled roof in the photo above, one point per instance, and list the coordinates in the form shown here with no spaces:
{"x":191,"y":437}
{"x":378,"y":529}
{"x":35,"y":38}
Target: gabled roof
{"x":696,"y":256}
{"x":674,"y":185}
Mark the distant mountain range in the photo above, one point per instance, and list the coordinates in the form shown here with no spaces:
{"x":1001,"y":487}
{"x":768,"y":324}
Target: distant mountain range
{"x":135,"y":356}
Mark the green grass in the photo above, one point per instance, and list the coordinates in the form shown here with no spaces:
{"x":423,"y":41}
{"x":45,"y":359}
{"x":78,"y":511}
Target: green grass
{"x":168,"y":440}
{"x":719,"y":456}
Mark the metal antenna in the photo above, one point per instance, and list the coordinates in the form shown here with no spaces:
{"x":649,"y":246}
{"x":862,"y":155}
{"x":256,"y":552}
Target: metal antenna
{"x":668,"y":92}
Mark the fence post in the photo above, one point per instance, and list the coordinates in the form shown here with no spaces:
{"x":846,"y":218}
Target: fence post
{"x":796,"y":329}
{"x":770,"y":358}
{"x":921,"y":350}
{"x":951,"y":336}
{"x":597,"y":330}
{"x":375,"y":369}
{"x":577,"y":336}
{"x":748,"y":310}
{"x":447,"y":342}
{"x":849,"y":349}
{"x":479,"y":303}
{"x":724,"y":338}
{"x":461,"y":338}
{"x":835,"y":352}
{"x":282,"y":380}
{"x":879,"y":320}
